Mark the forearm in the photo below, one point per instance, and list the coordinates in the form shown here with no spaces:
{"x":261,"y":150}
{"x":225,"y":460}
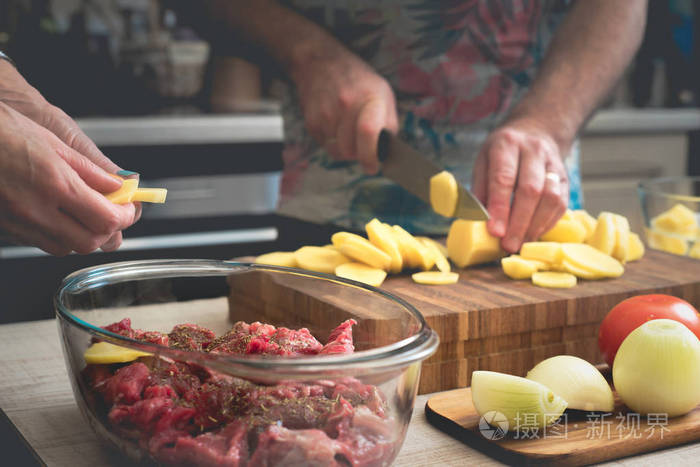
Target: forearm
{"x":589,"y":52}
{"x":289,"y":38}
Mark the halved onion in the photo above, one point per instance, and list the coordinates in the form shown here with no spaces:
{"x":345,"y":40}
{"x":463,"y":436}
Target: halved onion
{"x":576,"y":380}
{"x":657,"y":368}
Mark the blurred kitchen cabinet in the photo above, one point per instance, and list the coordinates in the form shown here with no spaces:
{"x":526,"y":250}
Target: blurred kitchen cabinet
{"x":619,"y":148}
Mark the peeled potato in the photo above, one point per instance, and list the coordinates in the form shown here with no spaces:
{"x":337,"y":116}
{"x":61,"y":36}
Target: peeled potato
{"x":361,"y":273}
{"x":548,"y":252}
{"x":517,"y":267}
{"x":604,"y":236}
{"x":679,"y":220}
{"x":695,"y":251}
{"x":667,"y":242}
{"x":440,"y":260}
{"x":102,"y":353}
{"x":571,"y":268}
{"x":435,"y":277}
{"x":381,"y":236}
{"x":539,"y":265}
{"x":150,"y":195}
{"x":443,"y":193}
{"x":415,"y":253}
{"x":622,"y":238}
{"x":125,"y":192}
{"x":565,"y":230}
{"x":635,"y":250}
{"x":278,"y":258}
{"x":438,"y":245}
{"x":469,"y":243}
{"x":360,"y":249}
{"x":591,"y":259}
{"x":587,"y":221}
{"x":558,"y":280}
{"x":319,"y":259}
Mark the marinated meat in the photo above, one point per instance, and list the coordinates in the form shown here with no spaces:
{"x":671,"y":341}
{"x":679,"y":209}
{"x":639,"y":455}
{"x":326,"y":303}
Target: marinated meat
{"x":184,"y":414}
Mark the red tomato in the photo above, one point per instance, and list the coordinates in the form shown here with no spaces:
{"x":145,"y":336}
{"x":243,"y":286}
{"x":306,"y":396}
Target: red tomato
{"x":629,"y":314}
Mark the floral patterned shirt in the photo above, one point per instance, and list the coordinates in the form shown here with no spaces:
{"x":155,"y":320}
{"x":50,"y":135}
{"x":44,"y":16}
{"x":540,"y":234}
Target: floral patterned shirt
{"x":457,"y":67}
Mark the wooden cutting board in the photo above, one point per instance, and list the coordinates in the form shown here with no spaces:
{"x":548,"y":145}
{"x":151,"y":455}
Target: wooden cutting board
{"x":578,"y":439}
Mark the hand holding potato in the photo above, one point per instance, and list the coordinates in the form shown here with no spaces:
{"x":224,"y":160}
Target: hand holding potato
{"x":520,"y":177}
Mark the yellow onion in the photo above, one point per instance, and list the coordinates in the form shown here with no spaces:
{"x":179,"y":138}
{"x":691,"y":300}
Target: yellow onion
{"x":657,"y":368}
{"x":575,"y":380}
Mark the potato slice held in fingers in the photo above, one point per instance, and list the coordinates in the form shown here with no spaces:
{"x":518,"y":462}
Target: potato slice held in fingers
{"x":381,"y":236}
{"x":125,"y":192}
{"x":360,"y":272}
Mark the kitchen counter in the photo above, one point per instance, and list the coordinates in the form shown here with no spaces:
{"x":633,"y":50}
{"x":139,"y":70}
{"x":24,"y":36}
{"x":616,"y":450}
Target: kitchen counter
{"x":36,"y":396}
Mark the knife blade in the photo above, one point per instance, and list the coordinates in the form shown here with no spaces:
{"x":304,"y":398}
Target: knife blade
{"x":411,"y":170}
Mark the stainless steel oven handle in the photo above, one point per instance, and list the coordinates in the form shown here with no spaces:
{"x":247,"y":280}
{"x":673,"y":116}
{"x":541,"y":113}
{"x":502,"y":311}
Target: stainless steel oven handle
{"x":187,"y":240}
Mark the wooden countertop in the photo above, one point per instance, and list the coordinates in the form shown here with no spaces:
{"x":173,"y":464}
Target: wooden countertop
{"x":35,"y":394}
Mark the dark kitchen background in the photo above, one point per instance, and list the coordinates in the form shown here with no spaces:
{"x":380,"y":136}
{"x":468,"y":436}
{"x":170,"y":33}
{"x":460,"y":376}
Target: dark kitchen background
{"x":201,"y":121}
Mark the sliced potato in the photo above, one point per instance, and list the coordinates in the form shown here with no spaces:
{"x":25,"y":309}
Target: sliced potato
{"x":360,"y":249}
{"x":441,"y":261}
{"x":604,"y":236}
{"x":548,"y":252}
{"x":557,"y":280}
{"x":443,"y":193}
{"x":438,"y":245}
{"x":635,"y":250}
{"x":679,"y":220}
{"x":470,"y":243}
{"x":319,"y":259}
{"x":102,"y":353}
{"x":568,"y":215}
{"x":591,"y":259}
{"x":361,"y":273}
{"x":565,"y":230}
{"x":517,"y":267}
{"x":125,"y":192}
{"x":539,"y":265}
{"x":278,"y":258}
{"x":417,"y":254}
{"x":150,"y":195}
{"x":695,"y":251}
{"x":435,"y":277}
{"x":571,"y":268}
{"x":382,"y":237}
{"x":622,"y":238}
{"x":667,"y":242}
{"x":587,"y":221}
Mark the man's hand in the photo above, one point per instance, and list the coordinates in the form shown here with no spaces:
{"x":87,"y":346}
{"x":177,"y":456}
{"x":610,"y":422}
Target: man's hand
{"x":346,"y":105}
{"x":25,"y":99}
{"x":51,"y":196}
{"x":520,"y":177}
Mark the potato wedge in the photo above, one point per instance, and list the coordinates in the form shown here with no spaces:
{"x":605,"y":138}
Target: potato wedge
{"x":667,"y":242}
{"x":435,"y":277}
{"x":441,"y":261}
{"x":319,"y":259}
{"x":604,"y":236}
{"x":622,"y":238}
{"x":360,"y":272}
{"x":591,"y":259}
{"x":125,"y":192}
{"x":548,"y":252}
{"x":571,"y":231}
{"x":443,"y":193}
{"x":558,"y":280}
{"x":470,"y":243}
{"x":678,"y":220}
{"x":587,"y":221}
{"x":381,"y":236}
{"x":416,"y":254}
{"x":635,"y":250}
{"x":360,"y":249}
{"x":517,"y":267}
{"x":278,"y":258}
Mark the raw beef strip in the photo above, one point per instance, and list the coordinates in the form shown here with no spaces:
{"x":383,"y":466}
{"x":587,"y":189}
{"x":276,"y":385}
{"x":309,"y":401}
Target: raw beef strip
{"x":280,"y":446}
{"x":366,"y":439}
{"x":258,"y":338}
{"x":190,"y":337}
{"x":226,"y":447}
{"x":126,"y":385}
{"x":340,"y":340}
{"x":123,"y":328}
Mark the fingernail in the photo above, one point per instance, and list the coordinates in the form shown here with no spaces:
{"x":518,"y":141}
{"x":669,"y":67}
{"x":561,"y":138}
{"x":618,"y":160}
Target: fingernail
{"x":498,"y":228}
{"x":126,"y":173}
{"x":512,"y":244}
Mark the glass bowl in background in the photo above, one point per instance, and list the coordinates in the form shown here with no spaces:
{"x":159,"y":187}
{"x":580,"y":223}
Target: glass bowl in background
{"x":671,"y":211}
{"x":178,"y":406}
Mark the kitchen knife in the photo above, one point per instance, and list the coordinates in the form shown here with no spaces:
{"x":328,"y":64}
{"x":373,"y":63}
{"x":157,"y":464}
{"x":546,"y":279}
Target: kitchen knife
{"x":408,"y":168}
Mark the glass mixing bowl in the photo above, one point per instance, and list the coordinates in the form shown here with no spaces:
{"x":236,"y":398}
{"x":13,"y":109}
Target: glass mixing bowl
{"x":174,"y":405}
{"x":671,"y":211}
